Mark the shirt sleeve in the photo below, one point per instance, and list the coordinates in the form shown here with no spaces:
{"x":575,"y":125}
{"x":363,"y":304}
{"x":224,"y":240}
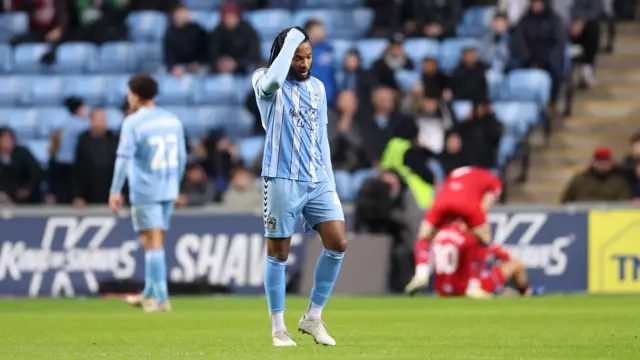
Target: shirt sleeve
{"x":127,"y":144}
{"x":494,"y":185}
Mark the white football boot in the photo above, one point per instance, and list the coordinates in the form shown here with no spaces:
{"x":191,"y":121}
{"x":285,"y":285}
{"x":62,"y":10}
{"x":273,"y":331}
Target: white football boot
{"x":318,"y":330}
{"x":281,"y":339}
{"x":417,"y":283}
{"x":150,"y":305}
{"x":134,"y":300}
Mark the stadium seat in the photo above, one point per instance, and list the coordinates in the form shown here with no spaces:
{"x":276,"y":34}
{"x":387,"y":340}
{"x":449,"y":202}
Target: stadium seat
{"x":282,"y":4}
{"x":24,"y":123}
{"x":44,"y":90}
{"x":50,"y":119}
{"x":407,"y":79}
{"x":371,"y":50}
{"x":117,"y":57}
{"x":461,"y":108}
{"x":330,"y":4}
{"x":517,"y":116}
{"x":340,"y":48}
{"x":250,"y":149}
{"x":75,"y":57}
{"x":201,"y":120}
{"x":351,"y":24}
{"x":202,"y":5}
{"x":265,"y":49}
{"x":527,"y":85}
{"x":343,"y":185}
{"x":476,"y":21}
{"x":236,"y":121}
{"x":150,"y":55}
{"x":5,"y":116}
{"x":92,"y":88}
{"x":494,"y":83}
{"x":359,"y":177}
{"x":6,"y":58}
{"x":326,"y":16}
{"x":419,"y":49}
{"x":26,"y":58}
{"x":269,"y":22}
{"x":208,"y":20}
{"x":147,"y":25}
{"x":115,"y":117}
{"x":219,"y":90}
{"x":116,"y":89}
{"x":12,"y":89}
{"x":40,"y":150}
{"x":176,"y":91}
{"x":451,"y":49}
{"x":12,"y":24}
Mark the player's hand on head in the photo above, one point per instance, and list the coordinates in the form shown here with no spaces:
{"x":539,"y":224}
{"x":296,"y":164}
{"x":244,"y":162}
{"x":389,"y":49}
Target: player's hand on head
{"x":115,"y":202}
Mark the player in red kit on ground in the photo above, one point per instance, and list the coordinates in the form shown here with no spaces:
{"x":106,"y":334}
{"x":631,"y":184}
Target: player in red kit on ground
{"x":459,"y":261}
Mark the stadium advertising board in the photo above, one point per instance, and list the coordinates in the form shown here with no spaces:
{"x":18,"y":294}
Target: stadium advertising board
{"x":71,"y":256}
{"x":614,"y":251}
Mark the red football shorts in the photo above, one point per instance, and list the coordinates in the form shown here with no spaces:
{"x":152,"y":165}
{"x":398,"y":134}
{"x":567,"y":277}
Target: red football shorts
{"x":492,"y":280}
{"x":447,"y":211}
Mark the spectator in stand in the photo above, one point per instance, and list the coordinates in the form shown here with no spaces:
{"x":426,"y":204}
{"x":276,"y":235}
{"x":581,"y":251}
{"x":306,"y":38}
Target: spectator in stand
{"x":47,"y":20}
{"x":585,"y":31}
{"x":94,"y":161}
{"x":158,"y":5}
{"x":600,"y":182}
{"x":185,"y":43}
{"x":468,"y":80}
{"x":494,"y":51}
{"x":63,"y":151}
{"x":322,"y":57}
{"x":378,"y":128}
{"x":234,"y":46}
{"x":220,"y":157}
{"x":20,"y":173}
{"x":453,"y":156}
{"x":347,"y":145}
{"x":243,"y":191}
{"x":481,"y":133}
{"x":394,"y":58}
{"x":436,"y":19}
{"x":634,"y":182}
{"x":633,"y":156}
{"x":356,"y":79}
{"x":539,"y":41}
{"x":434,"y":80}
{"x":434,"y":117}
{"x":196,"y":189}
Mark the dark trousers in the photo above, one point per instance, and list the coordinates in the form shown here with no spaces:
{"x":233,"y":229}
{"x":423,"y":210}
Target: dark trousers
{"x":61,"y":181}
{"x":589,"y":39}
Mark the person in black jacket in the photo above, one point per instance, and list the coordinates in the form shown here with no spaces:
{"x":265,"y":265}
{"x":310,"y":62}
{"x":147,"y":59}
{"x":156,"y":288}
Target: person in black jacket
{"x":20,"y":173}
{"x":393,"y":59}
{"x":185,"y":43}
{"x":95,"y":158}
{"x":436,"y":19}
{"x":481,"y":134}
{"x":468,"y":81}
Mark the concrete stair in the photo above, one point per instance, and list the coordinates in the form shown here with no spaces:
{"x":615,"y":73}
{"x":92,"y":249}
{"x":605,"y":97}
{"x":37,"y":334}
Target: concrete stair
{"x":604,"y":116}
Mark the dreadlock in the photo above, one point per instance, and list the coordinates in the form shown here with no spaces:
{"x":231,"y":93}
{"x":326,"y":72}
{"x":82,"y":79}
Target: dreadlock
{"x":279,"y":42}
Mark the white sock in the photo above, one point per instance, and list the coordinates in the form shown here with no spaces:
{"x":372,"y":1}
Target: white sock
{"x":277,"y":322}
{"x":422,"y":270}
{"x":314,"y":312}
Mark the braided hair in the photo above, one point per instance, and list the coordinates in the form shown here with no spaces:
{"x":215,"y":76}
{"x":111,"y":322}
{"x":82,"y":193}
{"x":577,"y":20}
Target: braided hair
{"x":279,"y":42}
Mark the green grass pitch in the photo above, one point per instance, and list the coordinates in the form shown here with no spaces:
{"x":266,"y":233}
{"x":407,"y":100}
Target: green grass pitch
{"x":546,"y":328}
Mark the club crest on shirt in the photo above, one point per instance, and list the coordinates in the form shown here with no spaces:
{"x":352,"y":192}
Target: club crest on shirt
{"x":271,"y":223}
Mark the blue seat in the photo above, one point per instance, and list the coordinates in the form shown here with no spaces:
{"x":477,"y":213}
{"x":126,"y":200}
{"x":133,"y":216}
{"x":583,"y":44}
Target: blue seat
{"x":518,"y":117}
{"x":192,"y":124}
{"x":176,"y":91}
{"x":26,"y":58}
{"x":461,"y":109}
{"x":5,"y":116}
{"x":202,"y":4}
{"x":24,"y":123}
{"x":419,"y":49}
{"x":12,"y":89}
{"x":451,"y":49}
{"x":12,"y":24}
{"x":50,"y":119}
{"x":282,"y":4}
{"x":340,"y":49}
{"x":236,"y":121}
{"x":115,"y":117}
{"x":359,"y":177}
{"x":150,"y":56}
{"x":407,"y":79}
{"x":208,"y":20}
{"x":92,"y":88}
{"x":6,"y":58}
{"x":476,"y":21}
{"x":325,"y":16}
{"x":350,"y":24}
{"x":343,"y":185}
{"x":265,"y":49}
{"x":250,"y":149}
{"x":527,"y":85}
{"x":507,"y":149}
{"x":116,"y":89}
{"x":39,"y":149}
{"x":44,"y":90}
{"x":269,"y":22}
{"x":205,"y":118}
{"x":371,"y":50}
{"x":75,"y":57}
{"x":147,"y":25}
{"x":117,"y":57}
{"x":218,"y":90}
{"x":494,"y":83}
{"x":330,"y":4}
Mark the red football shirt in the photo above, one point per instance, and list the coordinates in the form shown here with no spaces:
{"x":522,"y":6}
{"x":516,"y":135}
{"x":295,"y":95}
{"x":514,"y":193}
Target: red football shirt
{"x":469,"y":183}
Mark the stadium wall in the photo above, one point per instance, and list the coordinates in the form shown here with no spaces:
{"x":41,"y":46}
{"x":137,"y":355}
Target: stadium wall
{"x":66,"y":252}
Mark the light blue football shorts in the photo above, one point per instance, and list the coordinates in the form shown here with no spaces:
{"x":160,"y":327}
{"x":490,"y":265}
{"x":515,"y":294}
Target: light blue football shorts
{"x":152,"y":216}
{"x":284,"y":200}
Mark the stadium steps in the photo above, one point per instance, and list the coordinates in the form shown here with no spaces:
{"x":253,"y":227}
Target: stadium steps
{"x":605,"y":116}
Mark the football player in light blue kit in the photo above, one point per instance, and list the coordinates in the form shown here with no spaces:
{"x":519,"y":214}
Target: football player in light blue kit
{"x":297,"y":179}
{"x":152,"y":155}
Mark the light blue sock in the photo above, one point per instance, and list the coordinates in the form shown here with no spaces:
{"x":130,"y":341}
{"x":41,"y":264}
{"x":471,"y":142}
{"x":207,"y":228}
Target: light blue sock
{"x":148,"y":281}
{"x":325,"y":276}
{"x":275,"y":283}
{"x":157,"y":266}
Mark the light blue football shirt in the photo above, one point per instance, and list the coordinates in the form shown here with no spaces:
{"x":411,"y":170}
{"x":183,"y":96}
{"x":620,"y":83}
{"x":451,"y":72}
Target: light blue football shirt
{"x":70,"y":132}
{"x":295,"y":120}
{"x":153,"y":141}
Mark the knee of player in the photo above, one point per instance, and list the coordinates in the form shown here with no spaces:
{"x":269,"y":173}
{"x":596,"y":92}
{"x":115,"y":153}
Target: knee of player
{"x":339,"y":245}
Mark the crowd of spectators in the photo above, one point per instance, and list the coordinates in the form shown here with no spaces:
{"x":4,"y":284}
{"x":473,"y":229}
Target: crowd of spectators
{"x":368,"y":109}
